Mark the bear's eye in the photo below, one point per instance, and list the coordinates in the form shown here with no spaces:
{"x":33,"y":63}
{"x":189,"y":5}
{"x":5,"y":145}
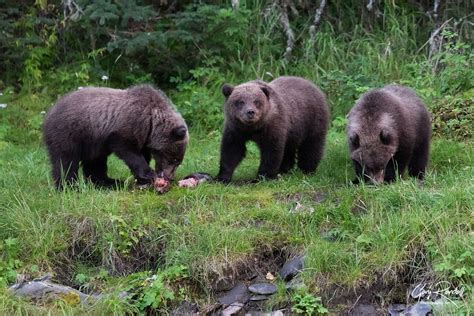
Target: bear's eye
{"x":385,"y":138}
{"x":354,"y":139}
{"x":257,"y":103}
{"x":239,"y":103}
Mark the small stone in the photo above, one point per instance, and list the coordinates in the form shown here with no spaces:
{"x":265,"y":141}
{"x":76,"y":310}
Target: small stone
{"x":270,"y":276}
{"x":263,"y":288}
{"x":258,"y":313}
{"x":238,"y":294}
{"x":185,"y":308}
{"x":364,"y":310}
{"x":419,"y":309}
{"x":3,"y":105}
{"x":257,"y":298}
{"x":232,"y":309}
{"x":291,"y":268}
{"x":396,"y":309}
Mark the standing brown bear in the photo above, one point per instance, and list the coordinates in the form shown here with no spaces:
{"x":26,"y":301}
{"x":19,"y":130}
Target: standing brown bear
{"x":138,"y":123}
{"x":286,"y":118}
{"x":388,"y":130}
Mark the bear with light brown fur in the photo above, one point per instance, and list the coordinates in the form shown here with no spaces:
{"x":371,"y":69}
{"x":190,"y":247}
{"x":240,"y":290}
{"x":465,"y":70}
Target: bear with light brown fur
{"x":287,"y":118}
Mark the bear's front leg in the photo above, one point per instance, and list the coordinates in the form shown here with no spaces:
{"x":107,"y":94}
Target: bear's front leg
{"x":271,"y":156}
{"x":135,"y":161}
{"x":232,"y":152}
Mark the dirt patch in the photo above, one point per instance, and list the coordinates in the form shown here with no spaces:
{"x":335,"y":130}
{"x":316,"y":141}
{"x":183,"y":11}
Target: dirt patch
{"x":223,"y":277}
{"x":87,"y":247}
{"x":391,"y":287}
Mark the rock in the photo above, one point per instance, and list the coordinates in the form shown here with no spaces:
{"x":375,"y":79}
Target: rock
{"x":225,"y":283}
{"x":232,"y":309}
{"x":395,"y":309}
{"x":274,"y":313}
{"x":419,"y":309}
{"x":291,"y":268}
{"x":444,"y":306}
{"x":364,"y":310}
{"x":239,"y":294}
{"x":185,"y":308}
{"x":257,"y":298}
{"x":42,"y":288}
{"x":294,"y":285}
{"x":263,"y":288}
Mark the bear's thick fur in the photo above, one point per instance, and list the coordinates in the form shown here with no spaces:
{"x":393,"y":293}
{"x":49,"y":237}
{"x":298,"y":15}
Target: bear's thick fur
{"x":87,"y":125}
{"x":389,"y":129}
{"x":286,"y":118}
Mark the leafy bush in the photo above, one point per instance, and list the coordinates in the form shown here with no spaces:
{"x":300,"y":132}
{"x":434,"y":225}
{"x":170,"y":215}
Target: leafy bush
{"x":308,"y":304}
{"x":9,"y":260}
{"x":453,"y":116}
{"x":154,"y":291}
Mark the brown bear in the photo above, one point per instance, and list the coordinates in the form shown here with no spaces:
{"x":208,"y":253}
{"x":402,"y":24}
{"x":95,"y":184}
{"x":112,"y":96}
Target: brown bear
{"x":286,"y":118}
{"x":388,"y":130}
{"x":136,"y":124}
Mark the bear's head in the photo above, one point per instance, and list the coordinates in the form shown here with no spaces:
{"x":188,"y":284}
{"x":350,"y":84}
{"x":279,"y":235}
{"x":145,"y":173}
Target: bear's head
{"x":167,"y":142}
{"x":247,"y":104}
{"x":372,"y":146}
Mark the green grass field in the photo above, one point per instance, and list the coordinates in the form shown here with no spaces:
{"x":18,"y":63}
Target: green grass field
{"x":359,"y":241}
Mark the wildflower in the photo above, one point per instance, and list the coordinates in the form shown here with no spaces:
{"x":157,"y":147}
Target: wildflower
{"x":104,"y":78}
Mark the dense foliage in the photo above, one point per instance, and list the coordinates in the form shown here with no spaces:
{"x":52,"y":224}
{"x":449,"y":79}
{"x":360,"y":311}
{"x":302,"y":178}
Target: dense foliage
{"x":192,"y":47}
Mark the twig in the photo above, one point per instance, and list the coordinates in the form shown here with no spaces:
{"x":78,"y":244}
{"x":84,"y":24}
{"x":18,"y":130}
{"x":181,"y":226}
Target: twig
{"x":434,"y":33}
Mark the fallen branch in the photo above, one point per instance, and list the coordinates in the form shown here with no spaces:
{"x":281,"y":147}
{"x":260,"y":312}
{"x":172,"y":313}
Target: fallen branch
{"x":235,"y":4}
{"x":317,"y":20}
{"x":74,"y":10}
{"x":372,"y":6}
{"x":290,"y":36}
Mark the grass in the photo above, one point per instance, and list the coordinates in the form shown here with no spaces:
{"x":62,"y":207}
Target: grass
{"x":357,"y":239}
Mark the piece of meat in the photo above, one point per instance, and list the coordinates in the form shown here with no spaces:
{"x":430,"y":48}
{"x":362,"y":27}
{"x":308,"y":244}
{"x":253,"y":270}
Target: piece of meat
{"x":188,"y":183}
{"x":161,"y":185}
{"x":194,"y":179}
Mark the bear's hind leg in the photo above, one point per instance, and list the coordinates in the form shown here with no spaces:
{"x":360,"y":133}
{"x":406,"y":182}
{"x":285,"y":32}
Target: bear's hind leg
{"x":289,"y":158}
{"x":419,"y":160}
{"x":65,"y":168}
{"x":310,"y":153}
{"x":96,"y":171}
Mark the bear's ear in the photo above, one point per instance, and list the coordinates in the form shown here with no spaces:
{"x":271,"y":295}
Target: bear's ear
{"x":179,"y":132}
{"x":266,"y":91}
{"x":227,"y":90}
